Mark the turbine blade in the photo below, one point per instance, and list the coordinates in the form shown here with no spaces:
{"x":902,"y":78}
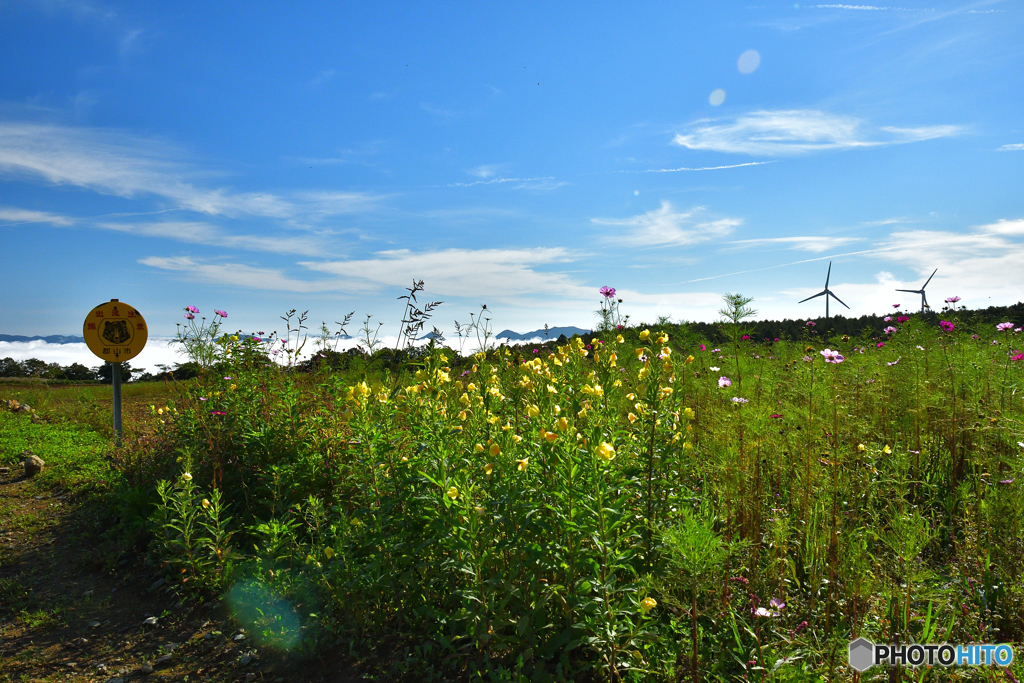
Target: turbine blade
{"x":912,"y":291}
{"x":813,"y":297}
{"x":929,"y":278}
{"x":828,"y":274}
{"x":837,"y":299}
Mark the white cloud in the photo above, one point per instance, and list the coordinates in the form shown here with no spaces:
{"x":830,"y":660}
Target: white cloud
{"x":797,"y":131}
{"x":542,"y":183}
{"x":485,"y":171}
{"x":811,"y":243}
{"x":238,"y":274}
{"x":117,"y":164}
{"x":667,"y":227}
{"x":16,"y":216}
{"x":498,"y":274}
{"x":1014,"y":147}
{"x":196,"y":232}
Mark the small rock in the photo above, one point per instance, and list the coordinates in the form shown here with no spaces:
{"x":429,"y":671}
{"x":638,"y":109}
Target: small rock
{"x":239,"y":637}
{"x":160,"y":661}
{"x":33,"y":465}
{"x":146,"y":669}
{"x":101,"y":668}
{"x":5,"y":470}
{"x":72,"y":665}
{"x":250,"y":676}
{"x":207,"y":636}
{"x":245,"y":660}
{"x":87,"y":594}
{"x":93,"y":624}
{"x":157,"y":584}
{"x":115,"y":680}
{"x":149,"y":621}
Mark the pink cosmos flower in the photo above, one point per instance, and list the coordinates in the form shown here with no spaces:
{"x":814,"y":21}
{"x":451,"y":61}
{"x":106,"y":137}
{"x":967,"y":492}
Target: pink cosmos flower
{"x":946,"y":325}
{"x":832,"y":356}
{"x":217,"y":412}
{"x":222,"y":314}
{"x":975,"y":336}
{"x":887,"y":319}
{"x":775,"y":416}
{"x":895,"y":361}
{"x":1004,"y":327}
{"x":1019,"y":356}
{"x":777,"y":604}
{"x":716,"y":350}
{"x":952,"y":299}
{"x":191,"y":309}
{"x":607,"y":292}
{"x":745,"y":337}
{"x":703,"y":348}
{"x":896,"y":305}
{"x":1006,"y":481}
{"x":811,"y":323}
{"x":189,"y":316}
{"x":889,"y":330}
{"x":879,"y":345}
{"x":724,"y":382}
{"x":807,"y":359}
{"x":762,"y":612}
{"x":738,"y":399}
{"x":902,"y":319}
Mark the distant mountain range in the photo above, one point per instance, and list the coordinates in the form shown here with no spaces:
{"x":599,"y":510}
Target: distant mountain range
{"x":550,"y":333}
{"x":52,"y":339}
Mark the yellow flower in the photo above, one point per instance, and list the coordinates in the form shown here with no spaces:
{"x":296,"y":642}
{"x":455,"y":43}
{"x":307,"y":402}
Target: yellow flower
{"x":562,"y":424}
{"x":641,"y":351}
{"x":234,"y":386}
{"x":532,"y":410}
{"x":630,"y":396}
{"x":861,"y":447}
{"x":645,"y":335}
{"x":479,"y":448}
{"x":647,"y":604}
{"x":665,"y":392}
{"x":689,"y":359}
{"x":688,"y":446}
{"x":452,"y":492}
{"x":471,"y":386}
{"x":662,"y":338}
{"x":552,"y":390}
{"x":606,"y":451}
{"x":522,"y":464}
{"x":688,"y":412}
{"x":517,"y":438}
{"x":443,"y":376}
{"x":488,"y":469}
{"x":187,"y":476}
{"x":159,"y":411}
{"x":494,"y":450}
{"x":329,"y":552}
{"x":463,"y":415}
{"x":234,"y":337}
{"x":206,"y":503}
{"x":887,"y":450}
{"x":666,"y":351}
{"x":617,"y":383}
{"x":643,"y":372}
{"x":631,"y":417}
{"x":619,"y":339}
{"x":548,"y":436}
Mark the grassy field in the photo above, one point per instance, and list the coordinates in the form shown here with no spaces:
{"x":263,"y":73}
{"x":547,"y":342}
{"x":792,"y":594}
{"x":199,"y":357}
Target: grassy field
{"x":638,"y":506}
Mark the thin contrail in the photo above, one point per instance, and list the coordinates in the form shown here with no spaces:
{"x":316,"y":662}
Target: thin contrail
{"x":706,"y":168}
{"x":794,"y":263}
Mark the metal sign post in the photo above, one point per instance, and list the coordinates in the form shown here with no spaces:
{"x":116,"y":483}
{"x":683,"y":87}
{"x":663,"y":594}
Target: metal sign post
{"x":115,"y":373}
{"x":115,"y":332}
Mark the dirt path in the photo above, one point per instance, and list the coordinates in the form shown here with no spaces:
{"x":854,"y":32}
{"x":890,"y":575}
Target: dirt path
{"x":69,"y":613}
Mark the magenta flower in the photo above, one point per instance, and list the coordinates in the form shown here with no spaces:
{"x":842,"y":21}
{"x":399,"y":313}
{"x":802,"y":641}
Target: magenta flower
{"x":217,"y":412}
{"x":1006,"y":481}
{"x":902,"y":319}
{"x":946,"y":325}
{"x":724,"y":382}
{"x":889,"y":330}
{"x":191,"y":309}
{"x":607,"y":292}
{"x":896,"y":305}
{"x":952,"y":299}
{"x":777,"y":604}
{"x":716,"y":350}
{"x":189,"y":316}
{"x":879,"y":345}
{"x":832,"y":356}
{"x":1004,"y":327}
{"x":807,"y":359}
{"x":745,"y":337}
{"x":222,"y":314}
{"x":229,"y":378}
{"x":703,"y":348}
{"x":811,"y":323}
{"x":1019,"y":356}
{"x":887,"y":319}
{"x":775,"y":416}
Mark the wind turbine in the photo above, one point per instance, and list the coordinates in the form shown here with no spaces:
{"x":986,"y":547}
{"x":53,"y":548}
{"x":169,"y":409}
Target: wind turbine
{"x":924,"y":299}
{"x":826,"y":292}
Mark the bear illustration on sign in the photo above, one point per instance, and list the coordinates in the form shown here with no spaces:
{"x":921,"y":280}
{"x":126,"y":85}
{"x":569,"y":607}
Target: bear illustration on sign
{"x":116,"y":331}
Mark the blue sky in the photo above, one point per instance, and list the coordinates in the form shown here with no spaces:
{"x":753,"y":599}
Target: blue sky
{"x":258,"y":157}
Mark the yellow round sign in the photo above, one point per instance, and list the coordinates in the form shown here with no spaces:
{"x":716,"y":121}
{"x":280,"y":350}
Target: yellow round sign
{"x":115,"y":331}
